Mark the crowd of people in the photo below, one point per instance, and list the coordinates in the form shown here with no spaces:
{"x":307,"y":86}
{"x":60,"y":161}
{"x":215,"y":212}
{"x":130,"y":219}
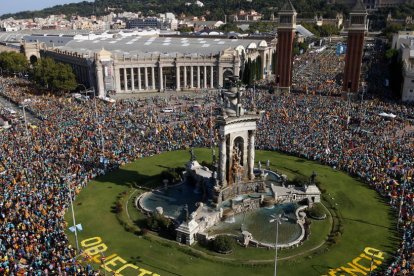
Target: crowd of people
{"x":76,"y":141}
{"x":73,"y":143}
{"x":354,"y":138}
{"x":317,"y":72}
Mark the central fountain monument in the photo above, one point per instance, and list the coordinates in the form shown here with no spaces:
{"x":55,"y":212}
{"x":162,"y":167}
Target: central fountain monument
{"x":237,"y":128}
{"x":234,"y":188}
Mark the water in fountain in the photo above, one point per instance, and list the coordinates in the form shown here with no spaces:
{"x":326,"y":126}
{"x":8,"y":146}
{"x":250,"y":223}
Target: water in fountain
{"x":257,"y":223}
{"x":172,"y":200}
{"x":197,"y":190}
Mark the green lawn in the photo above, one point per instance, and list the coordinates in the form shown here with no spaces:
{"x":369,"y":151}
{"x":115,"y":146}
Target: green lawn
{"x":366,"y":222}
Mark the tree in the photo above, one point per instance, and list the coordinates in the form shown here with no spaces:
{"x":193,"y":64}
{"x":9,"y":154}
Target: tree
{"x":395,"y":67}
{"x":262,"y":27}
{"x":391,"y":53}
{"x":312,"y":28}
{"x":274,"y":60}
{"x":259,"y":68}
{"x":391,"y":29}
{"x":253,"y":72}
{"x":299,"y":180}
{"x":229,"y":27}
{"x":58,"y":77}
{"x":296,"y":50}
{"x":217,"y":15}
{"x":247,"y":72}
{"x":303,"y":46}
{"x":172,"y":174}
{"x":65,"y":79}
{"x":328,"y":30}
{"x":43,"y":72}
{"x":13,"y":62}
{"x":163,"y":225}
{"x":186,"y":29}
{"x":321,"y":31}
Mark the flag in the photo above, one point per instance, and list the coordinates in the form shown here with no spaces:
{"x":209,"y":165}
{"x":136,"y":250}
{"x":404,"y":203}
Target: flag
{"x":78,"y":227}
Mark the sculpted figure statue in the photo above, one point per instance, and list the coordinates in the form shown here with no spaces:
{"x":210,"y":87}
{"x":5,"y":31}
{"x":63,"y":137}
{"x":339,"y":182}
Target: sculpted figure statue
{"x":232,"y":98}
{"x":192,"y":155}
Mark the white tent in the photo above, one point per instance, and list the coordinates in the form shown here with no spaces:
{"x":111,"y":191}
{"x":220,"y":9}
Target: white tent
{"x":388,"y":115}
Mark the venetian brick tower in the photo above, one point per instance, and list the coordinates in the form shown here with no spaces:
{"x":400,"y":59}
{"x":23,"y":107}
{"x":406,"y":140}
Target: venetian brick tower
{"x":356,"y":33}
{"x":285,"y":36}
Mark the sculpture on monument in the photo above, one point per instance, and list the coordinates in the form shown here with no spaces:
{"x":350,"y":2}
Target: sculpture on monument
{"x":313,"y":178}
{"x":192,"y":155}
{"x":232,"y":99}
{"x":237,"y":168}
{"x":237,"y":128}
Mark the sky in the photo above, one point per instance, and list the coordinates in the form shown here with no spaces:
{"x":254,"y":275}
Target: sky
{"x":11,"y":6}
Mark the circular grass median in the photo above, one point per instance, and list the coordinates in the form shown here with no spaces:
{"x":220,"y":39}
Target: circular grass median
{"x":358,"y":228}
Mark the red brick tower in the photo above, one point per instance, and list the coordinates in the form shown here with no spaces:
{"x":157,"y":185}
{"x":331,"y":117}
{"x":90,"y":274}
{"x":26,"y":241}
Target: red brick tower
{"x":353,"y":59}
{"x":285,"y":36}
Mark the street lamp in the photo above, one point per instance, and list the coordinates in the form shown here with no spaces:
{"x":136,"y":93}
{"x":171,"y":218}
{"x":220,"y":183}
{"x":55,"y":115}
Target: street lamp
{"x":404,"y":184}
{"x":363,"y":108}
{"x":92,"y":90}
{"x":348,"y":95}
{"x":68,"y":177}
{"x":372,"y":261}
{"x":278,"y":220}
{"x":103,"y":258}
{"x":335,"y":118}
{"x":84,"y":87}
{"x":277,"y":83}
{"x":24,"y":104}
{"x":165,"y":83}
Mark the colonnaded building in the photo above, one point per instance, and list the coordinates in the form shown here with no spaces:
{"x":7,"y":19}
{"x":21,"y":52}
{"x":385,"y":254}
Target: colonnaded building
{"x":153,"y":63}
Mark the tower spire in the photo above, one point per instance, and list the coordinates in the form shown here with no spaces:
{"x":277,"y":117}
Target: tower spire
{"x":285,"y":36}
{"x":359,"y":7}
{"x":288,"y":7}
{"x":356,"y":32}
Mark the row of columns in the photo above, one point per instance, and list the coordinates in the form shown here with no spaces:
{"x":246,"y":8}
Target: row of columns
{"x":135,"y":72}
{"x":191,"y":84}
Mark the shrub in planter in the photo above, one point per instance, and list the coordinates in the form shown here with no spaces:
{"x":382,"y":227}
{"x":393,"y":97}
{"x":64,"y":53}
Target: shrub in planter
{"x":159,"y":223}
{"x":118,"y":207}
{"x":144,"y":231}
{"x":317,"y":211}
{"x":223,"y":244}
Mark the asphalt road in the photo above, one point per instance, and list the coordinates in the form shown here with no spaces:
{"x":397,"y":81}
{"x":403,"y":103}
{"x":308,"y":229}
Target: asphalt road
{"x":4,"y":102}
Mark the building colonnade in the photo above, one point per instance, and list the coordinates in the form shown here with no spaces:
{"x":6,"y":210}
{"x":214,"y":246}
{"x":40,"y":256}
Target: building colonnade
{"x":129,"y":78}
